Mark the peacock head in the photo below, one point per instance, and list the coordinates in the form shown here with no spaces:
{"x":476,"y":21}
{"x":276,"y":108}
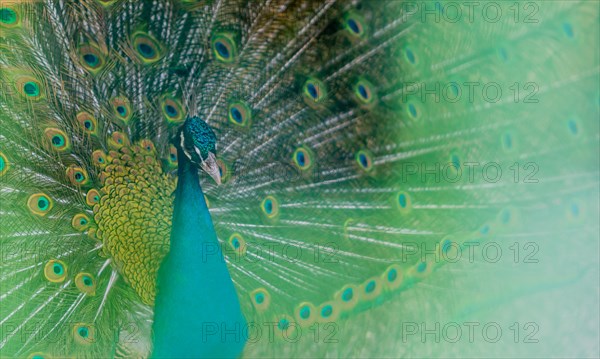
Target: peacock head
{"x":199,"y":144}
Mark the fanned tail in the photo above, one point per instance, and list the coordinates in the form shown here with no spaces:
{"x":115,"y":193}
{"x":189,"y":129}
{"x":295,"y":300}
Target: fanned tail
{"x":366,"y":148}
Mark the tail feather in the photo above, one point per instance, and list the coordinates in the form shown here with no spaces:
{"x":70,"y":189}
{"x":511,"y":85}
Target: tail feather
{"x":361,"y":144}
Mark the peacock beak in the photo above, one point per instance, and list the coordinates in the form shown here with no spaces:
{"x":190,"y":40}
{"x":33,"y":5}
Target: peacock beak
{"x":211,"y":167}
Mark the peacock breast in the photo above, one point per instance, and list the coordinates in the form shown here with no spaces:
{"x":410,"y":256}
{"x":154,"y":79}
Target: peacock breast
{"x":133,"y":215}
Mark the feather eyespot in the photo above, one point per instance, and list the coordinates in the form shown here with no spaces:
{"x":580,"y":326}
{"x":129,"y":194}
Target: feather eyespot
{"x":117,"y":140}
{"x":314,"y":91}
{"x":240,"y":114}
{"x":347,"y":297}
{"x":39,"y":204}
{"x":85,"y":283}
{"x":270,"y":207}
{"x":393,"y":277}
{"x":364,"y":93}
{"x":92,"y":197}
{"x":172,"y":159}
{"x":83,"y":333}
{"x":9,"y":17}
{"x":328,"y":312}
{"x":80,"y":222}
{"x":57,"y":139}
{"x":172,"y":109}
{"x":261,"y":299}
{"x":354,"y":25}
{"x":29,"y":87}
{"x":410,"y":56}
{"x":3,"y":164}
{"x":403,"y":202}
{"x":91,"y":58}
{"x":99,"y":158}
{"x":146,"y":47}
{"x":147,"y":146}
{"x":87,"y":122}
{"x":371,"y":288}
{"x":121,"y":108}
{"x":286,"y":324}
{"x":55,"y":271}
{"x":305,"y":313}
{"x":302,"y":159}
{"x":237,"y":242}
{"x":224,"y":47}
{"x":364,"y":160}
{"x":77,"y":175}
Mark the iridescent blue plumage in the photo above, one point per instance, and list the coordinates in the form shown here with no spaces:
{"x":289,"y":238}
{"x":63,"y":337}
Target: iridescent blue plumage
{"x":195,"y":301}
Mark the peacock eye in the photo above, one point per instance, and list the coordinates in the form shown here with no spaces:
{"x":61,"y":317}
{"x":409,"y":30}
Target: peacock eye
{"x":147,"y":145}
{"x":88,"y":122}
{"x":370,"y":287}
{"x":409,"y":55}
{"x":364,"y":160}
{"x":270,"y":207}
{"x":326,"y":311}
{"x":39,"y":204}
{"x":83,"y":333}
{"x":92,"y":197}
{"x":363,"y":93}
{"x":122,"y":108}
{"x":146,"y":47}
{"x":43,"y":204}
{"x":77,"y":175}
{"x":8,"y":16}
{"x":146,"y":50}
{"x":85,"y":283}
{"x":117,"y":140}
{"x":283,"y":324}
{"x":304,"y":313}
{"x":239,"y":113}
{"x":172,"y":109}
{"x":314,"y":91}
{"x":99,"y":158}
{"x":31,"y":89}
{"x":302,"y":159}
{"x":91,"y":58}
{"x":393,"y":277}
{"x":57,"y":138}
{"x":224,"y":47}
{"x":55,"y":271}
{"x":354,"y":25}
{"x":260,"y":298}
{"x":347,"y":294}
{"x":412,"y":110}
{"x":80,"y":222}
{"x":403,"y":200}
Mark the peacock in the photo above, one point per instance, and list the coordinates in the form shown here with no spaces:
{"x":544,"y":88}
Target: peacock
{"x":299,"y":178}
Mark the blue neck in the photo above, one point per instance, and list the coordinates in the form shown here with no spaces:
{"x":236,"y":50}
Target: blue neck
{"x":197,"y":312}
